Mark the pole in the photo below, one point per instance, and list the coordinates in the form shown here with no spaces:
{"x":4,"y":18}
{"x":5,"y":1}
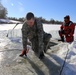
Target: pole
{"x":12,"y":29}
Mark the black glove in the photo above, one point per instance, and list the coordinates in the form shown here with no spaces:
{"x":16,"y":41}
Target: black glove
{"x":63,"y":32}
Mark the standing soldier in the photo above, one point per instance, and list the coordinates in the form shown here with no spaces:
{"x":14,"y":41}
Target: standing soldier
{"x":67,"y":30}
{"x":33,"y":30}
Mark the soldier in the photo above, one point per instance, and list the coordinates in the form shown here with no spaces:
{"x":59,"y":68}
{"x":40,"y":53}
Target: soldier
{"x":33,"y":30}
{"x":67,"y":30}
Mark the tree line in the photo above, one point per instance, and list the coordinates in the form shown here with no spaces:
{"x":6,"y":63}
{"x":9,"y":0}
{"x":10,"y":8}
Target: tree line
{"x":52,"y":21}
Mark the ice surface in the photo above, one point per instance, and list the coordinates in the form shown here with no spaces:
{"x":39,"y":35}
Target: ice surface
{"x":14,"y":41}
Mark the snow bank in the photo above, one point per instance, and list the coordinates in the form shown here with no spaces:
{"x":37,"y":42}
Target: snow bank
{"x":8,"y":21}
{"x":4,"y":21}
{"x":70,"y":66}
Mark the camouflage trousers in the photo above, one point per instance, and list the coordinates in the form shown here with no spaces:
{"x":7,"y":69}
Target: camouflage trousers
{"x":35,"y":43}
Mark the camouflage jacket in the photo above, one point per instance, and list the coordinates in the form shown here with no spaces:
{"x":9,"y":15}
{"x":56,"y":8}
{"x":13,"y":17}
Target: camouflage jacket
{"x":31,"y":32}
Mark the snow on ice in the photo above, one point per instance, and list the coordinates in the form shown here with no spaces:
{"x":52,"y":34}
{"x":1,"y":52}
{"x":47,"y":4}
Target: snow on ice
{"x":15,"y":40}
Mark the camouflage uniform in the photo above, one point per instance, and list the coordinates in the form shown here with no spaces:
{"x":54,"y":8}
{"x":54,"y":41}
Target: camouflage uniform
{"x":35,"y":34}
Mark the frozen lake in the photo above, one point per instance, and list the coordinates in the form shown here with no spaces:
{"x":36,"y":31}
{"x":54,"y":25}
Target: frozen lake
{"x":7,"y":28}
{"x":49,"y":28}
{"x":12,"y":64}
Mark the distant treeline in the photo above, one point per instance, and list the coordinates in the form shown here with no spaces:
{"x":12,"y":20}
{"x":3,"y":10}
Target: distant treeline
{"x":51,"y":21}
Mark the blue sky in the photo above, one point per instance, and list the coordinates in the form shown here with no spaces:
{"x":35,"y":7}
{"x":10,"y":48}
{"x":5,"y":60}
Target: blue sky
{"x":48,"y":9}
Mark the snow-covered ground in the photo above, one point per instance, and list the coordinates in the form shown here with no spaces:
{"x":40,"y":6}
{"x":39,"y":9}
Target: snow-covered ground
{"x":13,"y":41}
{"x":8,"y":21}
